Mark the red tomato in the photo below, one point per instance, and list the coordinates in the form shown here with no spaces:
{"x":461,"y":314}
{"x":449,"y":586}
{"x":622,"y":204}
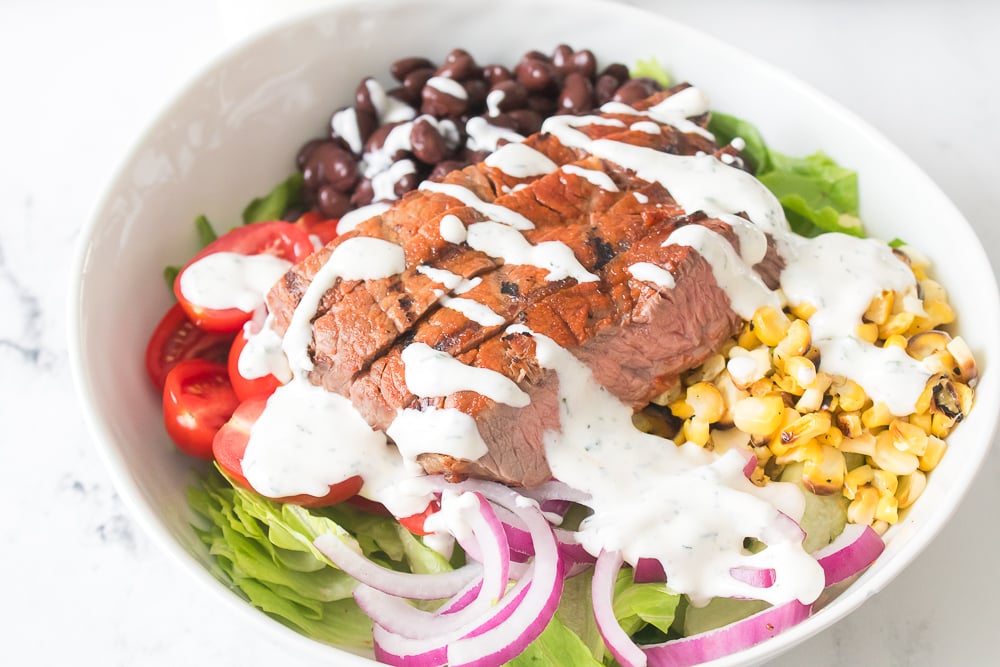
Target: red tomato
{"x":279,"y":238}
{"x":415,"y":522}
{"x":197,"y":401}
{"x":176,"y":339}
{"x":231,"y":443}
{"x":246,"y":389}
{"x":314,"y":224}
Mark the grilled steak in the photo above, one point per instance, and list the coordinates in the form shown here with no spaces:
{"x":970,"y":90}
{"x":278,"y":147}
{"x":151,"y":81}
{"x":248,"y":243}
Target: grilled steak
{"x":636,"y":338}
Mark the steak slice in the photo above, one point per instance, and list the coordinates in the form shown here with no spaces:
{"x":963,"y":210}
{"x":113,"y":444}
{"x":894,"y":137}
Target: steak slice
{"x":345,"y":346}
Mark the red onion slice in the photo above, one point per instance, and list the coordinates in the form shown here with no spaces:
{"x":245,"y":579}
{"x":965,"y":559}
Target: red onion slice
{"x":855,"y":548}
{"x":603,"y":591}
{"x":728,"y":639}
{"x":403,"y":584}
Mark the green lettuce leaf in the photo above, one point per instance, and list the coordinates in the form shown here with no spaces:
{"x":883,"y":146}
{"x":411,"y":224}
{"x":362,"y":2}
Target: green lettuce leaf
{"x":638,"y":605}
{"x":726,"y":128}
{"x":818,"y":195}
{"x":652,"y":69}
{"x":557,"y":645}
{"x":277,"y":202}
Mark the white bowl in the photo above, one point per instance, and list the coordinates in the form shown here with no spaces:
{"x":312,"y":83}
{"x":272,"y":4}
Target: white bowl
{"x":234,"y":131}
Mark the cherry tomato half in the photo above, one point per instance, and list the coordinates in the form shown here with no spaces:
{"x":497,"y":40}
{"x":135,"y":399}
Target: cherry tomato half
{"x":278,"y":238}
{"x":197,"y":401}
{"x":415,"y":522}
{"x":177,"y":339}
{"x":314,"y":224}
{"x":246,"y":388}
{"x":231,"y":443}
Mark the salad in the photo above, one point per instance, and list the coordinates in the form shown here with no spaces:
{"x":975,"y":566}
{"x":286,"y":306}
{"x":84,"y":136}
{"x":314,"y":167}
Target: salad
{"x":810,"y":418}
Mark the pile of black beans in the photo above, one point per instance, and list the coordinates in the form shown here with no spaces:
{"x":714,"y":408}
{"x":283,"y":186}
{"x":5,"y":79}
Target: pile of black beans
{"x":537,"y":87}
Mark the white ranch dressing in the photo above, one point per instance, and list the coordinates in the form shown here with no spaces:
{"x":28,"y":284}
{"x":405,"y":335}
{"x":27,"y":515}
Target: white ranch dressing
{"x":429,"y":373}
{"x":484,"y":136}
{"x":596,"y":178}
{"x":448,"y":86}
{"x":262,"y":355}
{"x":387,"y":108}
{"x":676,"y":109}
{"x":384,"y":182}
{"x":344,"y":124}
{"x":507,"y":243}
{"x":647,"y":126}
{"x":479,"y":313}
{"x":447,"y":431}
{"x":441,"y":276}
{"x":641,"y":198}
{"x":224,"y":280}
{"x":520,"y":161}
{"x":681,"y":505}
{"x":452,"y":229}
{"x":468,"y":198}
{"x":651,"y":273}
{"x":352,"y":219}
{"x":359,"y":258}
{"x":493,"y":101}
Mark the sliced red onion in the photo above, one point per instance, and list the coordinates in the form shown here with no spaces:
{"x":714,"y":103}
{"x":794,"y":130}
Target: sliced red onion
{"x":756,"y":577}
{"x":403,"y":584}
{"x":603,"y":592}
{"x":648,"y":571}
{"x":728,"y":639}
{"x":855,"y":548}
{"x":556,"y":490}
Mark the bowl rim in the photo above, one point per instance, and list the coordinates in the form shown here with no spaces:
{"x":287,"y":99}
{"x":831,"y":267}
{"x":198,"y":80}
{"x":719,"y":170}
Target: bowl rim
{"x":144,"y":513}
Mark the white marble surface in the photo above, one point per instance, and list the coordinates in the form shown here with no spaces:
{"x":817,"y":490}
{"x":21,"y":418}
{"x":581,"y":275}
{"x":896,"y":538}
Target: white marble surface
{"x":83,"y":585}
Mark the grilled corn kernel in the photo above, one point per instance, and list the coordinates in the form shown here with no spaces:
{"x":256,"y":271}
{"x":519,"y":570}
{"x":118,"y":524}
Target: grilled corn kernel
{"x":880,"y":308}
{"x":806,"y":427}
{"x":787,"y":384}
{"x":831,"y":438}
{"x":862,"y":508}
{"x":895,"y":340}
{"x":927,"y":343}
{"x":696,"y":431}
{"x":706,"y":402}
{"x":888,"y":458}
{"x":965,"y":398}
{"x":965,"y":364}
{"x":886,"y":509}
{"x":824,"y":474}
{"x":852,"y":397}
{"x":867,"y":332}
{"x":796,"y":341}
{"x":761,"y":387}
{"x":812,"y":397}
{"x":941,"y":425}
{"x":880,"y":527}
{"x":923,"y":404}
{"x":731,"y":395}
{"x":896,"y":324}
{"x":708,"y":370}
{"x":747,"y":338}
{"x":862,"y":444}
{"x":877,"y":415}
{"x":908,"y":437}
{"x":808,"y":450}
{"x":759,"y":416}
{"x":681,"y":409}
{"x":770,"y":325}
{"x":932,"y":455}
{"x":885,"y":482}
{"x":910,"y":487}
{"x":923,"y":422}
{"x":849,"y":423}
{"x":856,"y":479}
{"x":939,"y":312}
{"x":774,"y":442}
{"x":724,"y":439}
{"x":802,"y":369}
{"x":940,"y":363}
{"x":803,"y":311}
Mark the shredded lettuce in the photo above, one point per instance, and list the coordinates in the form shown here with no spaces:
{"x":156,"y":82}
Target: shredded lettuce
{"x":818,"y":195}
{"x":264,"y":550}
{"x":639,"y":605}
{"x":277,"y":202}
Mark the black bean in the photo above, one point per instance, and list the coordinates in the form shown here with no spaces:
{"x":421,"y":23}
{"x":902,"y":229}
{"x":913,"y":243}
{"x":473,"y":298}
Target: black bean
{"x":475,"y":92}
{"x":585,"y":63}
{"x":515,"y":95}
{"x":494,"y":74}
{"x":428,"y":144}
{"x":415,"y":80}
{"x":605,"y":87}
{"x":328,"y":164}
{"x":562,"y":58}
{"x":402,"y":67}
{"x":652,"y":84}
{"x":475,"y":157}
{"x":537,"y":55}
{"x":403,"y":95}
{"x":441,"y":104}
{"x":459,"y":65}
{"x":363,"y":193}
{"x":444,"y":168}
{"x":305,"y":151}
{"x":617,"y":70}
{"x":632,"y":91}
{"x":363,"y":98}
{"x":543,"y":104}
{"x":535,"y":75}
{"x":526,"y":121}
{"x":406,"y":183}
{"x":577,"y":94}
{"x":377,"y":138}
{"x":502,"y":120}
{"x":332,"y":203}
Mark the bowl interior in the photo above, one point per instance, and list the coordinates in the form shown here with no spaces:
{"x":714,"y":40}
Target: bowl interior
{"x":234,"y":131}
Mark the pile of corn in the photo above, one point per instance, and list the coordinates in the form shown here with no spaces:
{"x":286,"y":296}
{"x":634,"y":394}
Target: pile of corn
{"x":763,"y":391}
